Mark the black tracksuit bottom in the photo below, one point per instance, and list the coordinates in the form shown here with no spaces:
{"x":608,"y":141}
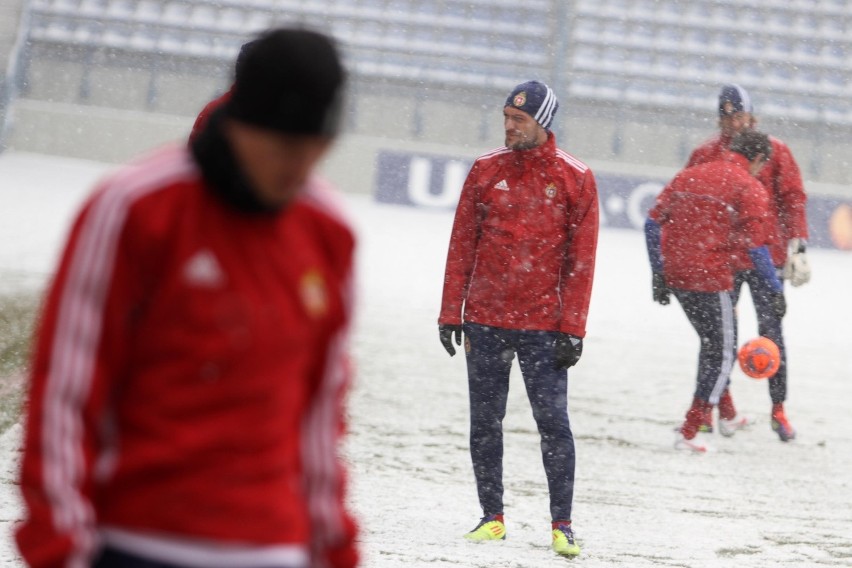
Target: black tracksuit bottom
{"x":768,"y":325}
{"x":712,"y":316}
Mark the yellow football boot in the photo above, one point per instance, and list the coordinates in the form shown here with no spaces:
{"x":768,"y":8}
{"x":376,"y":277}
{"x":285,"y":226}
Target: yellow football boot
{"x":563,"y":540}
{"x":490,"y":527}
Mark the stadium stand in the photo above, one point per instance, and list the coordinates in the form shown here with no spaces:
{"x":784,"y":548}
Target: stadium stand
{"x":793,"y":55}
{"x":421,"y":66}
{"x":457,"y":42}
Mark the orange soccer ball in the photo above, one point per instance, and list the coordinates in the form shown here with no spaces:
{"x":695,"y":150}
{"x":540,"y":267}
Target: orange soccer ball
{"x":759,"y":358}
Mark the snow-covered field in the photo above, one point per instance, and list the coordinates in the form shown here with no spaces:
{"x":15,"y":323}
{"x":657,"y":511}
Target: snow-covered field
{"x":753,"y":502}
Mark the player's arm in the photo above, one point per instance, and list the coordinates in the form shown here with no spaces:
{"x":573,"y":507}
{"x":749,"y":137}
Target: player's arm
{"x":333,"y":529}
{"x":762,"y":262}
{"x":75,"y":353}
{"x":753,"y":209}
{"x":659,"y":290}
{"x":792,"y":215}
{"x":653,"y":243}
{"x":579,"y":265}
{"x":790,"y":194}
{"x":461,"y":257}
{"x":461,"y":254}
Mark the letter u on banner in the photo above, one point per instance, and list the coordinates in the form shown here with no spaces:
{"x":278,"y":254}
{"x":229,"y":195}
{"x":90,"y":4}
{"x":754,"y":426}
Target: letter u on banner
{"x":420,"y":183}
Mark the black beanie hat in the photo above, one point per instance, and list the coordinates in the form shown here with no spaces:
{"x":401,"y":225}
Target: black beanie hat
{"x":291,"y":81}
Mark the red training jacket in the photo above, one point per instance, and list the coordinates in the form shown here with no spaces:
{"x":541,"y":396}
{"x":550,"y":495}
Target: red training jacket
{"x":188,"y":376}
{"x":787,"y":197}
{"x":710,"y":215}
{"x":522,"y":250}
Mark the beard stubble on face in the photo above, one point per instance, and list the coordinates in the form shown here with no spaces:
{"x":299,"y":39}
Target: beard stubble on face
{"x":517,"y":140}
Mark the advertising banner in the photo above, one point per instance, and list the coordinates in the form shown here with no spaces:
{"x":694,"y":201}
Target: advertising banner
{"x":433,"y":181}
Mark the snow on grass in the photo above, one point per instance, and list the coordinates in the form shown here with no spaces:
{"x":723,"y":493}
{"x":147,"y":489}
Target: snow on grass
{"x":753,"y":502}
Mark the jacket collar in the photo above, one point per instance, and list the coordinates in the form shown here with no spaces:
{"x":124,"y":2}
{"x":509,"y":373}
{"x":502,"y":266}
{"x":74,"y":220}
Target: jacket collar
{"x":221,"y":171}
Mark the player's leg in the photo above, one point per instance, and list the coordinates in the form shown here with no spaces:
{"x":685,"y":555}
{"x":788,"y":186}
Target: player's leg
{"x":489,"y":357}
{"x":727,"y":408}
{"x":712,"y":316}
{"x":547,"y":390}
{"x":770,"y":325}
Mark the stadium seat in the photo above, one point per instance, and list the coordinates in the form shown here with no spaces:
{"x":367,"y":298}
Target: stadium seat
{"x":671,"y":49}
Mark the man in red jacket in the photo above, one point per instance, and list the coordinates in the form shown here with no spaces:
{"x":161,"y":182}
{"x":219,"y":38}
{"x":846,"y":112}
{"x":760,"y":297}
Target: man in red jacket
{"x":787,"y":239}
{"x":518,"y":281}
{"x":186,"y":388}
{"x":706,"y":216}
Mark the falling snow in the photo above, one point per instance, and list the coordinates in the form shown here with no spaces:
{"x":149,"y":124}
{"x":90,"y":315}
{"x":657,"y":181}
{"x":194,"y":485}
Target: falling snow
{"x":752,"y":502}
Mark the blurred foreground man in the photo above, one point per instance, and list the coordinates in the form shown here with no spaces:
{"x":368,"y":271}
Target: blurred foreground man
{"x":187,"y":382}
{"x":787,"y":238}
{"x":518,"y":281}
{"x":708,"y":216}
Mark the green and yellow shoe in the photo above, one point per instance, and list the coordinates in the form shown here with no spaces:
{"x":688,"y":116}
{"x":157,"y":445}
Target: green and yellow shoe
{"x":563,"y":540}
{"x":490,"y":527}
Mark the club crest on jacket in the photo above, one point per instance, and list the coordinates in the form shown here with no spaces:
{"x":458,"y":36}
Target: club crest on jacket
{"x":314,"y":293}
{"x":550,"y":190}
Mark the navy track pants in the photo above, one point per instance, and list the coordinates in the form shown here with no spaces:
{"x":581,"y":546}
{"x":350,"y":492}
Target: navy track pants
{"x":490,"y":352}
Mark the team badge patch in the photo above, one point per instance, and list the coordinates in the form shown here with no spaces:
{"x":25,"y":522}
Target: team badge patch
{"x":466,"y":344}
{"x":520,"y":99}
{"x":550,"y":190}
{"x":314,"y":293}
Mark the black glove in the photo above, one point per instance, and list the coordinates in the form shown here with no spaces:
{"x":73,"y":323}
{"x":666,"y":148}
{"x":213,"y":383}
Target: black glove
{"x":567,"y":350}
{"x":445,"y":332}
{"x":660,"y":290}
{"x":778,"y":303}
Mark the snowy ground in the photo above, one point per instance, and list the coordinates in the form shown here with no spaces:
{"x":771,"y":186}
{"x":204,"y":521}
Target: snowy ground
{"x":753,"y":502}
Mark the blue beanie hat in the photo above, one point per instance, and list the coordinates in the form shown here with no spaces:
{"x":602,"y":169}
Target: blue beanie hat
{"x":734,"y":98}
{"x":536,"y":99}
